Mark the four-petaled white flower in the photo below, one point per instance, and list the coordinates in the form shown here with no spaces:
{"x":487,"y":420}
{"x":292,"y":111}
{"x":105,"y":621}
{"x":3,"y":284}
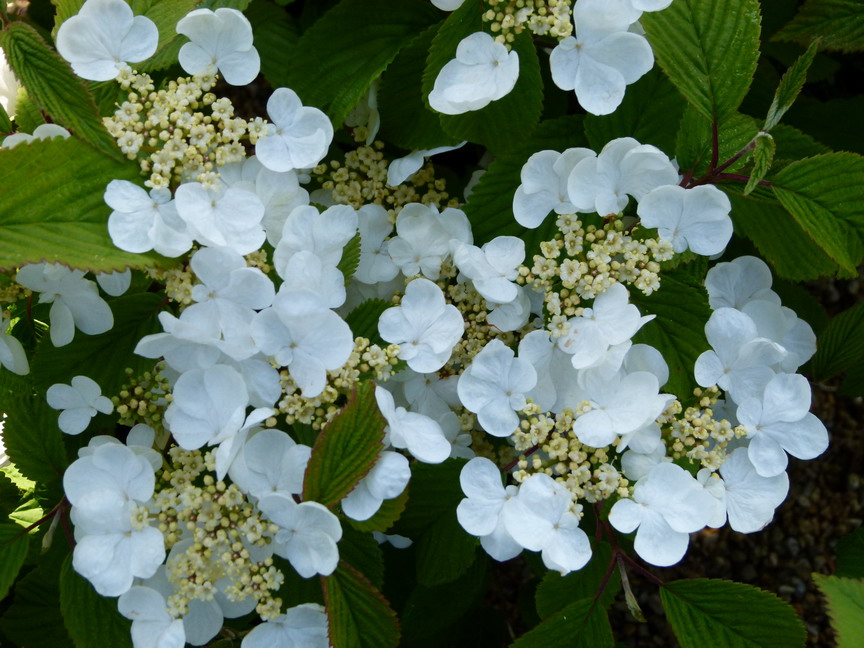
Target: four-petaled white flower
{"x":142,"y":222}
{"x":80,"y":402}
{"x":694,"y":219}
{"x":482,"y":72}
{"x":297,"y":138}
{"x":222,"y":40}
{"x":480,"y":512}
{"x":419,"y":434}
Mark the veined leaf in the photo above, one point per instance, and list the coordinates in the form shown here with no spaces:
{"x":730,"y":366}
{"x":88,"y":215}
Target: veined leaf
{"x":358,"y":615}
{"x":763,"y":156}
{"x":91,"y":620}
{"x":504,"y":124}
{"x":275,"y":36}
{"x":346,"y":449}
{"x":839,"y":24}
{"x":732,"y":615}
{"x":845,"y":602}
{"x":13,"y":550}
{"x":370,"y":34}
{"x":790,"y":86}
{"x":694,"y":144}
{"x":52,"y":208}
{"x":363,"y":319}
{"x":841,"y":345}
{"x":53,"y":86}
{"x":33,"y":441}
{"x":581,"y":624}
{"x":709,"y":49}
{"x":350,"y":258}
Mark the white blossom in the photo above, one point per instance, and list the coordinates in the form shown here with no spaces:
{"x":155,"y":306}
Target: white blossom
{"x":419,"y":434}
{"x":735,"y":283}
{"x":387,"y":479}
{"x":303,"y":626}
{"x":402,"y":169}
{"x":80,"y":402}
{"x":222,"y":40}
{"x":544,"y":186}
{"x":480,"y":512}
{"x":297,"y":137}
{"x":221,"y":217}
{"x":493,"y":268}
{"x":142,"y":222}
{"x":152,"y":626}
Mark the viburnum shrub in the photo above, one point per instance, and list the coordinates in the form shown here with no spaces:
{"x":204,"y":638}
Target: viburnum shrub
{"x":262,"y":360}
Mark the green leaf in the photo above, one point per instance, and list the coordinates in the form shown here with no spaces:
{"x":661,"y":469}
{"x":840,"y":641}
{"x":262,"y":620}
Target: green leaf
{"x":504,"y":124}
{"x":275,"y":35}
{"x":839,"y":24}
{"x":337,"y":59}
{"x":824,"y":194}
{"x":52,"y":210}
{"x":850,"y":555}
{"x":33,"y":441}
{"x":27,"y":115}
{"x":346,"y":449}
{"x":406,"y":120}
{"x":678,"y":331}
{"x":10,"y":495}
{"x":363,"y":319}
{"x":350,"y":258}
{"x":780,"y":239}
{"x":763,"y":156}
{"x":445,"y":551}
{"x":358,"y":615}
{"x":582,"y":624}
{"x":53,"y":86}
{"x":556,"y":592}
{"x":363,"y":553}
{"x":490,"y":205}
{"x":792,"y":145}
{"x":845,"y":602}
{"x":693,"y":147}
{"x":729,"y":615}
{"x":841,"y":345}
{"x":165,"y":14}
{"x":5,"y":124}
{"x":92,"y":620}
{"x":789,"y":88}
{"x":649,"y":113}
{"x":709,"y":49}
{"x":104,"y":357}
{"x":435,"y":492}
{"x":13,"y":550}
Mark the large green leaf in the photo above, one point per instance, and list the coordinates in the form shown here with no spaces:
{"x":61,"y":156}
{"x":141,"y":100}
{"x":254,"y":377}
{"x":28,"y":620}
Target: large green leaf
{"x":53,"y":86}
{"x":841,"y":345}
{"x":504,"y":124}
{"x":678,"y":331}
{"x":556,"y":592}
{"x":581,"y":624}
{"x":359,"y":616}
{"x":336,"y":60}
{"x":92,"y":620}
{"x":363,"y":553}
{"x":709,"y":49}
{"x":13,"y":550}
{"x":52,"y":208}
{"x":850,"y":555}
{"x":346,"y":449}
{"x":839,"y":24}
{"x":406,"y":120}
{"x":445,"y":551}
{"x":729,"y":615}
{"x":275,"y":36}
{"x":825,"y":195}
{"x":104,"y":357}
{"x":649,"y":113}
{"x":845,"y":599}
{"x":33,"y":441}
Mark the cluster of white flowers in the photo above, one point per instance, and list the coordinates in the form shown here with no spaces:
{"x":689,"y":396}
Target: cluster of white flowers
{"x":540,"y":357}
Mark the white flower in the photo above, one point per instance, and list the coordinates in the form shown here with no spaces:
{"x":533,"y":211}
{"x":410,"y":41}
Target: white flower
{"x":297,"y":138}
{"x":401,"y":169}
{"x":303,"y":626}
{"x":229,"y":285}
{"x":375,"y":262}
{"x":307,"y":535}
{"x":668,"y":504}
{"x":544,"y":186}
{"x":226,"y":217}
{"x":220,"y":39}
{"x":104,"y":37}
{"x":482,"y":72}
{"x":780,"y":422}
{"x":270,"y":462}
{"x":424,"y":326}
{"x":604,"y":58}
{"x":623,"y":167}
{"x":733,"y":284}
{"x":694,"y":219}
{"x":325,"y":234}
{"x":152,"y":626}
{"x":387,"y":479}
{"x":12,"y":355}
{"x":419,"y":434}
{"x":494,"y":387}
{"x":493,"y":268}
{"x":425,"y":238}
{"x":8,"y":87}
{"x":307,"y":273}
{"x":114,"y":283}
{"x":80,"y":402}
{"x":781,"y":325}
{"x":41,"y":132}
{"x":191,"y":341}
{"x":142,"y":222}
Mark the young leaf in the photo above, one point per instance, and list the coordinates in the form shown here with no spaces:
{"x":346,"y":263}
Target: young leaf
{"x":709,"y":49}
{"x":763,"y":156}
{"x":790,"y":86}
{"x":346,"y":449}
{"x":52,"y":85}
{"x":823,"y":194}
{"x":850,"y":555}
{"x":105,"y":357}
{"x":406,"y":120}
{"x":678,"y":331}
{"x":504,"y":124}
{"x":33,"y":441}
{"x":333,"y":73}
{"x":275,"y":36}
{"x":350,"y":258}
{"x":358,"y":615}
{"x":582,"y":624}
{"x":845,"y":602}
{"x":729,"y":615}
{"x":839,"y":23}
{"x":91,"y":620}
{"x":841,"y":345}
{"x":52,"y":210}
{"x":13,"y":550}
{"x":556,"y":592}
